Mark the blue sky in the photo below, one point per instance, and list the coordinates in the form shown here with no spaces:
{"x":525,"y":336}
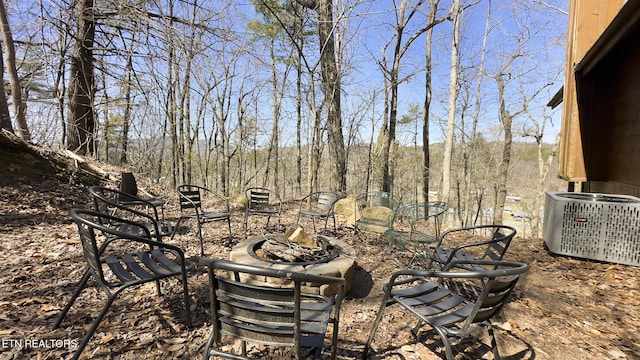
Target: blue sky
{"x":545,"y":56}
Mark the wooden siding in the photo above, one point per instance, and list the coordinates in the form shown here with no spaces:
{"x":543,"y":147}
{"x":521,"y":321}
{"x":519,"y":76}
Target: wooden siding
{"x":587,"y":21}
{"x":609,"y":108}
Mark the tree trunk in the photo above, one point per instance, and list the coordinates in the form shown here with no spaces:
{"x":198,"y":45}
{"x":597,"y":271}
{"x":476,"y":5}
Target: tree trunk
{"x":126,"y":119}
{"x":5,"y":118}
{"x":471,"y":151}
{"x":427,"y":103}
{"x":543,"y":169}
{"x":503,"y":168}
{"x":453,"y":94}
{"x":330,"y":88}
{"x":16,"y":90}
{"x":299,"y":123}
{"x":81,"y":122}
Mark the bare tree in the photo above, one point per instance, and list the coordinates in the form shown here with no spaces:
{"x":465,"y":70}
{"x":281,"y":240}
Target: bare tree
{"x":470,"y":147}
{"x":81,"y":121}
{"x":404,"y":13}
{"x":14,"y":80}
{"x":330,"y":88}
{"x":503,"y":78}
{"x":428,"y":61}
{"x":536,"y":130}
{"x":5,"y":118}
{"x":453,"y":95}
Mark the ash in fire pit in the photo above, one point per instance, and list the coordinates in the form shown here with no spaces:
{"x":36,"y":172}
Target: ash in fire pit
{"x":295,"y":246}
{"x":315,"y":254}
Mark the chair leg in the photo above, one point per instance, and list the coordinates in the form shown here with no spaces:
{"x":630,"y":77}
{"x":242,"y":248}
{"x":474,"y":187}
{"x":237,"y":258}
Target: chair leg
{"x":207,"y":349}
{"x":76,"y":293}
{"x":383,"y":306}
{"x":175,"y":228}
{"x":326,"y":221}
{"x":200,"y":237}
{"x":494,"y":344}
{"x":334,"y":339}
{"x":187,"y":301}
{"x":95,"y":325}
{"x":246,"y":219}
{"x":416,"y":328}
{"x":446,"y":342}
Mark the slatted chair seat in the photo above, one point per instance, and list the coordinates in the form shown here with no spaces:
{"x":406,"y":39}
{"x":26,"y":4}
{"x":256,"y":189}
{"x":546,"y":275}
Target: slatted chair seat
{"x":426,"y":295}
{"x":275,"y":313}
{"x":120,"y":269}
{"x":493,"y":248}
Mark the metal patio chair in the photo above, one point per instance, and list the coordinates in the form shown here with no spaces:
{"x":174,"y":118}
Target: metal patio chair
{"x":417,"y":225}
{"x":120,"y":269}
{"x":271,"y":307}
{"x":130,"y":194}
{"x":318,"y":205}
{"x":449,"y":312}
{"x":375,"y":211}
{"x":261,"y":202}
{"x":202,"y":205}
{"x":483,"y":247}
{"x":107,"y":201}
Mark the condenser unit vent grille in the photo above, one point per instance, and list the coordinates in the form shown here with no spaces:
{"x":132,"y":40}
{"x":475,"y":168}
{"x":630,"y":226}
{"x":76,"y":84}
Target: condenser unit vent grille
{"x":594,"y":226}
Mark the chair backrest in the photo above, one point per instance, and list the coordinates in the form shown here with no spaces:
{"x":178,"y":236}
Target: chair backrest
{"x":190,"y":197}
{"x":497,"y":285}
{"x":428,"y":211}
{"x":200,"y":200}
{"x":128,"y":187}
{"x":89,"y":222}
{"x":501,"y":239}
{"x":326,"y":200}
{"x":320,"y":200}
{"x":277,"y":314}
{"x":262,"y":199}
{"x":106,"y":201}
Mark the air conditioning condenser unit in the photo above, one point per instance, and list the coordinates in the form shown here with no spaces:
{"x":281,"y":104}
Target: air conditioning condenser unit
{"x":601,"y":227}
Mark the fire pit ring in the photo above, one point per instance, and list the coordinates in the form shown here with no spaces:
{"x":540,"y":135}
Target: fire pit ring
{"x":340,"y":262}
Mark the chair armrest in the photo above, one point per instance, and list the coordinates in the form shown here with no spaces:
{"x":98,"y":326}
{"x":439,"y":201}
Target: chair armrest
{"x":117,"y":234}
{"x":472,"y":244}
{"x":496,"y":268}
{"x":279,"y":201}
{"x":468,"y":228}
{"x":143,"y":202}
{"x":217,"y":196}
{"x":250,"y":269}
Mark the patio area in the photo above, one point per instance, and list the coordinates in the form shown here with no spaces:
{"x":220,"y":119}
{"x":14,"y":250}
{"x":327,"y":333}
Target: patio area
{"x":564,"y":308}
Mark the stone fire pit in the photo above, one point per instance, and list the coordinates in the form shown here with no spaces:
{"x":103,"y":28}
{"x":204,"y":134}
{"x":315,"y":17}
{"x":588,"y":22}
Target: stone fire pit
{"x":339,"y":261}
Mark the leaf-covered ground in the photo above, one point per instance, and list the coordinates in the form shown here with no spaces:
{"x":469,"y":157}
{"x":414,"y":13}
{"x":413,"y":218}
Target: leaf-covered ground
{"x":565,"y":308}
